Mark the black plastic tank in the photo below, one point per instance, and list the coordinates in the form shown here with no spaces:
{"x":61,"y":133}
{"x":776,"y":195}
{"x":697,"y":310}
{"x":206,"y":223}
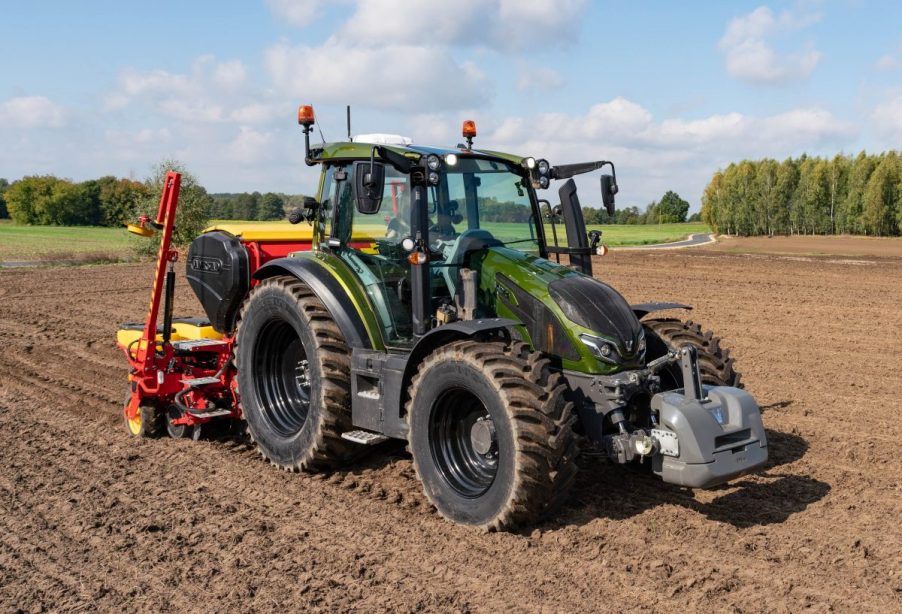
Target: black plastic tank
{"x":219,"y":274}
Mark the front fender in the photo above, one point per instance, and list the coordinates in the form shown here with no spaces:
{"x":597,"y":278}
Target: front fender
{"x":643,"y":309}
{"x":441,"y":335}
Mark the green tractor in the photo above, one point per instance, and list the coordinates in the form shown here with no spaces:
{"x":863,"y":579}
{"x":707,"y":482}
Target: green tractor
{"x":433,"y":307}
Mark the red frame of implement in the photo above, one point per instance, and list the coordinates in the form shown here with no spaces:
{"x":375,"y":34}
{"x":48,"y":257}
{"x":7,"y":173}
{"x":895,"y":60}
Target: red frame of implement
{"x":160,"y":369}
{"x":157,"y":370}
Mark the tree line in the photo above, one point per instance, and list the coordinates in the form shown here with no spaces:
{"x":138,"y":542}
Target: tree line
{"x":670,"y":209}
{"x":46,"y":200}
{"x":253,"y":205}
{"x":807,"y":195}
{"x":49,"y":200}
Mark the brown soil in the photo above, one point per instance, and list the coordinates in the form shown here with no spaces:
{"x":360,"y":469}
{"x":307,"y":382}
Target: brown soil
{"x":93,"y":519}
{"x":882,"y":247}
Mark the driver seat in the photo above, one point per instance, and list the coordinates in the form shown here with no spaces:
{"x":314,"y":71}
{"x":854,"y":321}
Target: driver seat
{"x":456,"y":256}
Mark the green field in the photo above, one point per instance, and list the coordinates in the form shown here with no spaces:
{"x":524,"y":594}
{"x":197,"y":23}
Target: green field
{"x":613,"y":235}
{"x":99,"y":244}
{"x":629,"y":234}
{"x":62,"y":242}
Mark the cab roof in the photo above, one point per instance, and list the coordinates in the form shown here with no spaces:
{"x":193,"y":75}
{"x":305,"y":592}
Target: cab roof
{"x":362,"y":151}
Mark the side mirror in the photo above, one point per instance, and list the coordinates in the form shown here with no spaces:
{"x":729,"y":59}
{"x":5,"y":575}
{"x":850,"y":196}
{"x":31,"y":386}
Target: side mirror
{"x":369,"y":184}
{"x":594,"y":238}
{"x":608,"y":190}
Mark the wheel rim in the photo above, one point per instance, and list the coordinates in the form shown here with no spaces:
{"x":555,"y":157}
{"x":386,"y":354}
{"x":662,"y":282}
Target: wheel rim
{"x":176,"y":431}
{"x":464,"y":448}
{"x":134,"y":424}
{"x":281,"y":378}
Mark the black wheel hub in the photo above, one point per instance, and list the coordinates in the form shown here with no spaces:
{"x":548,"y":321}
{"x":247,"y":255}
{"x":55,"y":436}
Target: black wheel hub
{"x":282,"y":378}
{"x":463,"y":442}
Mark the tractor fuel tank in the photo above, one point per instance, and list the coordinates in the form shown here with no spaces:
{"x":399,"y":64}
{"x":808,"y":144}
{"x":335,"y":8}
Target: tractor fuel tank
{"x":703,"y":443}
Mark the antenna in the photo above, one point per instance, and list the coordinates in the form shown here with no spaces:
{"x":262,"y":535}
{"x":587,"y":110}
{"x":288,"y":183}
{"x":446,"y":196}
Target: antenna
{"x":322,"y":138}
{"x":350,"y":140}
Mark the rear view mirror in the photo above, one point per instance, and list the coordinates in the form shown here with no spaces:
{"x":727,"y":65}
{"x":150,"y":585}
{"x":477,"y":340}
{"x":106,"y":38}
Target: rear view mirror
{"x":369,"y":184}
{"x":608,"y":190}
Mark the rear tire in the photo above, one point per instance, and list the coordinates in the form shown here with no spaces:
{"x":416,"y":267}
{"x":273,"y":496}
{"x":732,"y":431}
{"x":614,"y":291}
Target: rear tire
{"x":491,"y":434}
{"x":714,"y":361}
{"x":293,"y":377}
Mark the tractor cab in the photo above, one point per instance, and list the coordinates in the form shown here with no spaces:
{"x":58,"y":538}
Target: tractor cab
{"x":471,"y":203}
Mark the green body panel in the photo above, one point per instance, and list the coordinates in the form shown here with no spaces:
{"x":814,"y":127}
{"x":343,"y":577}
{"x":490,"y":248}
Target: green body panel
{"x":352,"y":286}
{"x":533,"y":275}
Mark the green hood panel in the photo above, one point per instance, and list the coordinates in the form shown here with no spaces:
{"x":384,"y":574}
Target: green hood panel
{"x":559,"y":302}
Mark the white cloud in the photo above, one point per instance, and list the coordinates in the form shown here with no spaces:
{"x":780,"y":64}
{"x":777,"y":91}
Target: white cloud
{"x":397,"y":77}
{"x":144,"y":136}
{"x":396,"y":22}
{"x":887,"y":62}
{"x":534,"y":78}
{"x":654,"y":155}
{"x":751,"y":56}
{"x":887,"y":118}
{"x":499,"y":24}
{"x":537,"y":23}
{"x":230,"y":75}
{"x":624,"y":123}
{"x":250,"y":146}
{"x":295,"y":12}
{"x":31,"y":112}
{"x":210,"y":92}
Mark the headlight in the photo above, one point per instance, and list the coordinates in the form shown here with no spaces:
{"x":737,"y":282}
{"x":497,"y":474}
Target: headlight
{"x":433,"y":178}
{"x":529,"y":163}
{"x":543,"y":182}
{"x":543,"y":166}
{"x":433,"y":162}
{"x":451,"y":159}
{"x":600,"y":348}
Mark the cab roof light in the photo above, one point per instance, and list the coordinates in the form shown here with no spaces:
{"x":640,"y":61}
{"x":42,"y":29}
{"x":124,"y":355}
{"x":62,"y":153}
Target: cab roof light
{"x":306,"y":116}
{"x":469,"y":131}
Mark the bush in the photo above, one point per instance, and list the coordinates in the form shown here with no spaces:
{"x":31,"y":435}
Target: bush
{"x":192,"y":214}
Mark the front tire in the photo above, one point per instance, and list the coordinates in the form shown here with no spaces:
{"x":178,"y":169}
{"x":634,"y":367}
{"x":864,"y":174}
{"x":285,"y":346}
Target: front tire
{"x":491,"y":434}
{"x":293,"y":377}
{"x":714,"y":361}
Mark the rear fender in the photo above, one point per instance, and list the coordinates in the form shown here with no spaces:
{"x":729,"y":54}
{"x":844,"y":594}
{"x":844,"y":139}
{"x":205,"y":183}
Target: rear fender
{"x":328,"y":289}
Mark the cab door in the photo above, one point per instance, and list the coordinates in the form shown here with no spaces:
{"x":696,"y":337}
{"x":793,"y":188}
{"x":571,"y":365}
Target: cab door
{"x":370,"y":245}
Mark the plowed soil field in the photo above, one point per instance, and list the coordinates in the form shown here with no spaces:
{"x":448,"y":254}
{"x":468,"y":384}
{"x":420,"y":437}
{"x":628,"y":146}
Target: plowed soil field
{"x":91,"y":519}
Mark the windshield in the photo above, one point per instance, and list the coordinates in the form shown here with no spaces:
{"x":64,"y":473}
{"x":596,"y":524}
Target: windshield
{"x":482,"y":194}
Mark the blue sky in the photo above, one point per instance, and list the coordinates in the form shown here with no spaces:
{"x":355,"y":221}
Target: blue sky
{"x":669,"y":91}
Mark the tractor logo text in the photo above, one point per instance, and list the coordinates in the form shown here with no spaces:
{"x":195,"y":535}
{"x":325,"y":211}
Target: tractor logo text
{"x":206,"y":265}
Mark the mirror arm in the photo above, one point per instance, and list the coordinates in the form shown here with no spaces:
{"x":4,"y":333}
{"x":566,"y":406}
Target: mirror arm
{"x":368,"y":178}
{"x":400,"y":163}
{"x":565,"y":171}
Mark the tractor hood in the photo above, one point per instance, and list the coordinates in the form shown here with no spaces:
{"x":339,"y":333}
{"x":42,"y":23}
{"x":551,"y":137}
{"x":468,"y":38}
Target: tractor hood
{"x":597,"y":306}
{"x":556,"y":305}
